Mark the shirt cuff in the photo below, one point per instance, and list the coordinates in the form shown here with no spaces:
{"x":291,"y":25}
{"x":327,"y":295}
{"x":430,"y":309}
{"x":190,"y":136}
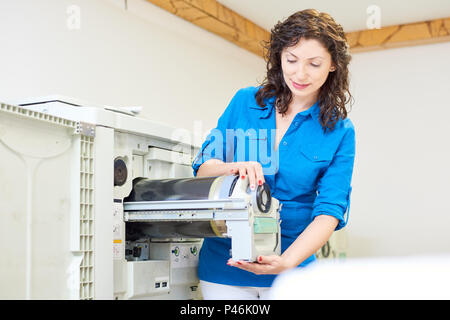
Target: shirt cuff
{"x":337,"y":210}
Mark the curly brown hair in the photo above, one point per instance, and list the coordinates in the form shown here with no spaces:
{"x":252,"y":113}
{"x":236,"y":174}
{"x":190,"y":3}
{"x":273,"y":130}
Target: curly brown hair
{"x":334,"y":93}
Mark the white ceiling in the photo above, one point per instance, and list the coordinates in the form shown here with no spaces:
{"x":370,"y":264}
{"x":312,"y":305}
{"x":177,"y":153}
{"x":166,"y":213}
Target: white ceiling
{"x":351,"y":14}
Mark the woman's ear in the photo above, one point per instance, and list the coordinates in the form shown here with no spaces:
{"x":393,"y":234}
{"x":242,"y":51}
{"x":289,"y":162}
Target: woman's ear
{"x":332,"y":68}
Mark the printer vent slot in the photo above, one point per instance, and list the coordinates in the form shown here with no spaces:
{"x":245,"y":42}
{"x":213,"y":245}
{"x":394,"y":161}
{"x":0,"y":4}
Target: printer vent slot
{"x":87,"y":217}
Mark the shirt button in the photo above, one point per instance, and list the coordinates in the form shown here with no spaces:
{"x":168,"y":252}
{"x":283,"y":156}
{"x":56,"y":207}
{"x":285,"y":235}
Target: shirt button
{"x":296,"y":123}
{"x":284,"y":143}
{"x":315,"y":157}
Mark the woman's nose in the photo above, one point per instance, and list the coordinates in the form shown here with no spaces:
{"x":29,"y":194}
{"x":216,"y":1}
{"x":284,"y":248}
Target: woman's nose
{"x":301,"y":73}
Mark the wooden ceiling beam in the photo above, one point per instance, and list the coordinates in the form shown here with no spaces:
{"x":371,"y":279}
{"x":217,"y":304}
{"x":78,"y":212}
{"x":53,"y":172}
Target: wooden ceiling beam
{"x":218,"y":19}
{"x":224,"y":22}
{"x":403,"y":35}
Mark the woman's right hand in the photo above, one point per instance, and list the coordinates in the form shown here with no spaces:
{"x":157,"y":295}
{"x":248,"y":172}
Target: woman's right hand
{"x":252,"y":169}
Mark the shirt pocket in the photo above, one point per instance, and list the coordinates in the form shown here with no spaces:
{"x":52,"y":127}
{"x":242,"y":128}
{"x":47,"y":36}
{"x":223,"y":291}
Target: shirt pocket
{"x":314,"y":162}
{"x":316,"y":154}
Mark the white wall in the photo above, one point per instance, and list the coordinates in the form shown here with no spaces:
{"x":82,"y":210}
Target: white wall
{"x":401,"y":193}
{"x":142,"y":56}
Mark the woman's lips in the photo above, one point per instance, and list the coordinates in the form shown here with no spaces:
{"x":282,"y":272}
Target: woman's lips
{"x":299,"y":86}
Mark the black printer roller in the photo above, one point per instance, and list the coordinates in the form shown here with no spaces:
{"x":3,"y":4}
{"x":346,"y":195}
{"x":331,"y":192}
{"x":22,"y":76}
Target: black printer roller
{"x":200,"y":188}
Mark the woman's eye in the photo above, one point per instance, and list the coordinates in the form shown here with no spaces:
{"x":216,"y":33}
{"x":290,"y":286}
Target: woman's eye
{"x":315,"y":65}
{"x":290,"y":61}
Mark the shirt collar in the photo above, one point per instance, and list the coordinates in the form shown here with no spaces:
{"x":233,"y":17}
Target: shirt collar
{"x":314,"y":111}
{"x":266,"y":111}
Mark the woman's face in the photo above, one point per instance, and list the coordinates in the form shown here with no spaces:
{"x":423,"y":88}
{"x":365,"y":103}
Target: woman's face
{"x":305,"y":69}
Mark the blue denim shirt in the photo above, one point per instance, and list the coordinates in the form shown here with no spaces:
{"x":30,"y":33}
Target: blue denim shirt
{"x":310,"y":174}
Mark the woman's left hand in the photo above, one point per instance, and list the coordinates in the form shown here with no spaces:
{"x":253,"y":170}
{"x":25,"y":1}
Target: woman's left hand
{"x":264,"y":265}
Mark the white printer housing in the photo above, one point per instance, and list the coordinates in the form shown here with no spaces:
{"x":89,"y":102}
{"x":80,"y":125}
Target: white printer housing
{"x":62,"y":221}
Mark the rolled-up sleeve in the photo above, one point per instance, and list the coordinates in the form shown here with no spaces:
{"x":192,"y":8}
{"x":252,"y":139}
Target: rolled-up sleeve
{"x":215,"y":146}
{"x":334,"y":187}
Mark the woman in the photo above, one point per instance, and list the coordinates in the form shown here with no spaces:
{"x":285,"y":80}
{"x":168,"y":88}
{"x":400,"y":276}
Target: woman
{"x":312,"y":152}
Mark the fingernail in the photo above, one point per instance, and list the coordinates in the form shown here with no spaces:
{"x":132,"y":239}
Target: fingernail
{"x":243,"y":177}
{"x":259,"y":182}
{"x":239,"y":262}
{"x":260,"y":258}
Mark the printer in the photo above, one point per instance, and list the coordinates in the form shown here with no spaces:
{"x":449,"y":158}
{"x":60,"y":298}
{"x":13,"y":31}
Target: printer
{"x":106,"y":207}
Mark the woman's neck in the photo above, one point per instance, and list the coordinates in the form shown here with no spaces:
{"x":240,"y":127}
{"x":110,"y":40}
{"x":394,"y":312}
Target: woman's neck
{"x":299,"y":104}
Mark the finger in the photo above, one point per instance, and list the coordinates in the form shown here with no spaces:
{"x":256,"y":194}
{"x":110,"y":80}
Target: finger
{"x":259,"y":174}
{"x":267,"y":259}
{"x":251,"y":267}
{"x":234,"y":171}
{"x":251,"y":176}
{"x":242,"y":172}
{"x":238,"y":264}
{"x":234,"y":167}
